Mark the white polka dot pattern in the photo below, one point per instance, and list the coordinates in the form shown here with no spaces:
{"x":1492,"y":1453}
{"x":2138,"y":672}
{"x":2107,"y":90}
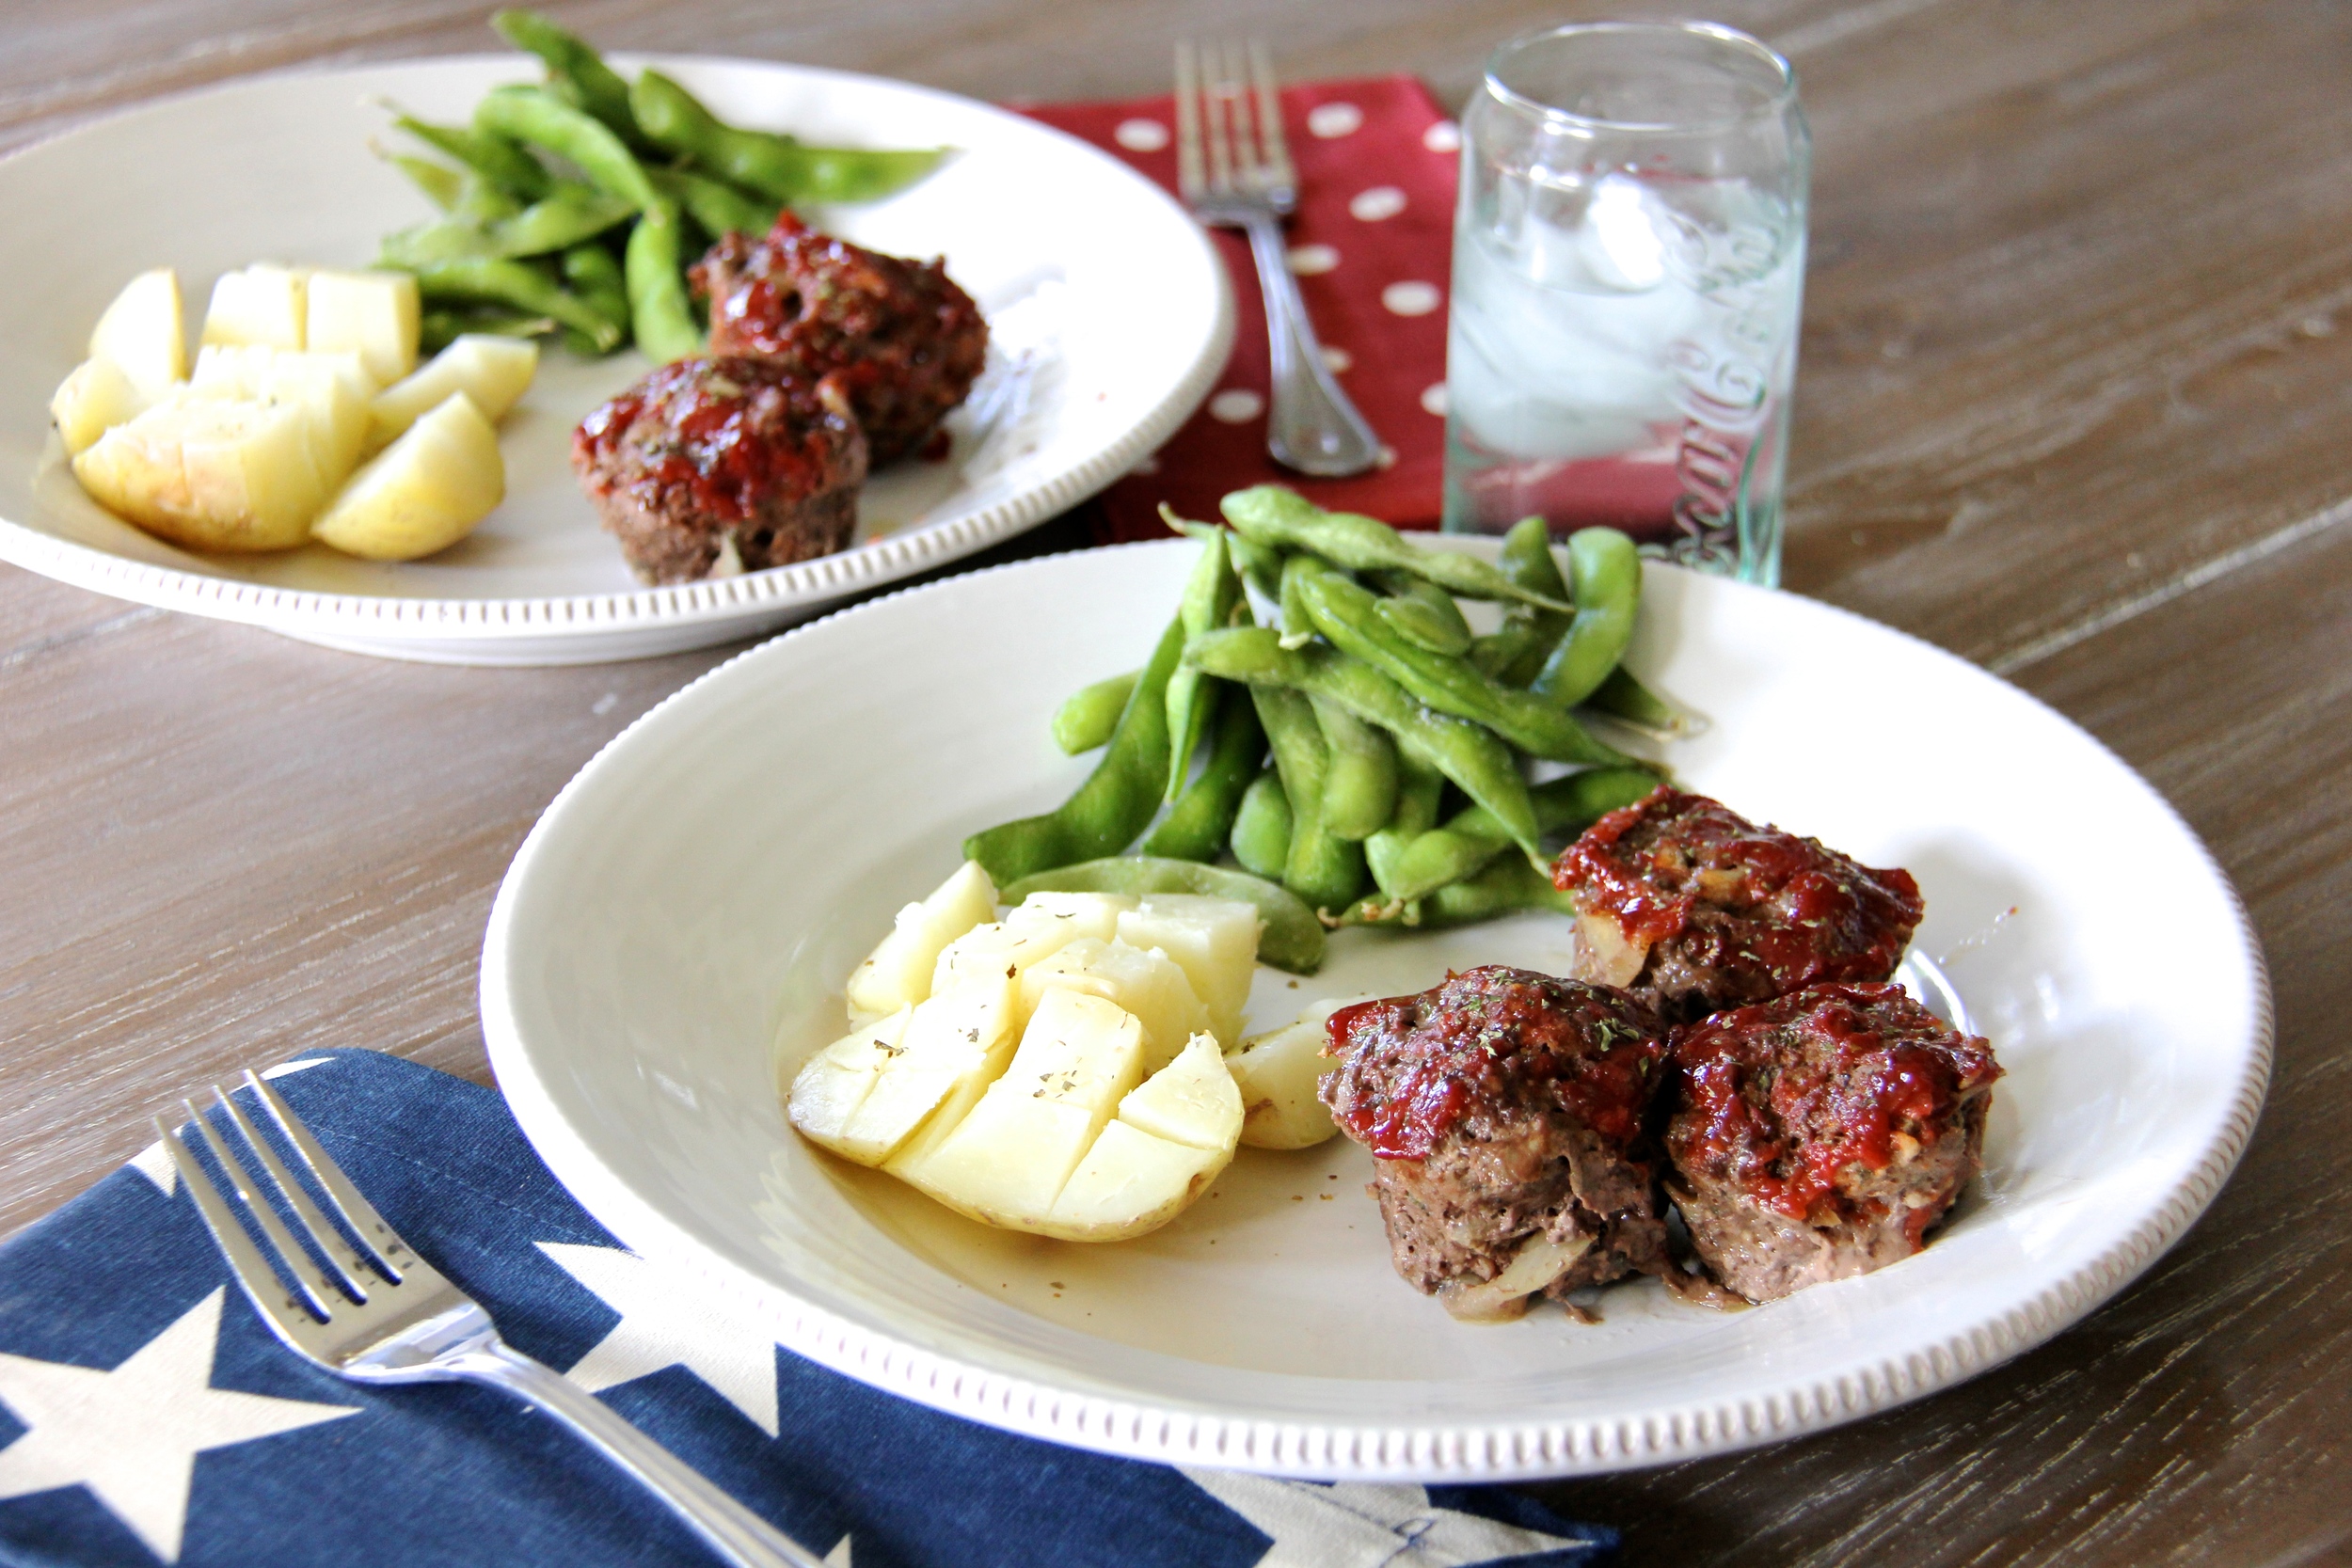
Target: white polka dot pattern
{"x":1339,"y":361}
{"x":1140,"y":136}
{"x":1334,"y":120}
{"x":1433,"y":397}
{"x":1236,"y":406}
{"x":1308,"y":259}
{"x":1444,"y":137}
{"x":1413,"y":298}
{"x":1381,"y":201}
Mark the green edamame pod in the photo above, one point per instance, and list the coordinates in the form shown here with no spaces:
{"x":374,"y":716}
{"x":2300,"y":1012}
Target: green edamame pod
{"x":438,"y":328}
{"x":1200,"y":822}
{"x":776,"y":166}
{"x":576,"y":73}
{"x":659,"y":309}
{"x":1418,"y":787}
{"x":1346,"y":614}
{"x":1284,"y":520}
{"x":1088,"y":715}
{"x":1532,"y":634}
{"x":1322,"y":868}
{"x":565,"y":218}
{"x":1261,"y":829}
{"x":1507,"y":886}
{"x":591,"y":273}
{"x":1623,"y":697}
{"x":1117,"y":799}
{"x":1293,"y":939}
{"x":1473,"y":837}
{"x":717,"y":207}
{"x":524,"y":285}
{"x":500,"y":161}
{"x":543,"y":121}
{"x":1607,"y":572}
{"x":1298,"y":625}
{"x":1359,"y":788}
{"x":1210,"y":593}
{"x":1468,"y":754}
{"x":442,"y":185}
{"x":1422,"y":613}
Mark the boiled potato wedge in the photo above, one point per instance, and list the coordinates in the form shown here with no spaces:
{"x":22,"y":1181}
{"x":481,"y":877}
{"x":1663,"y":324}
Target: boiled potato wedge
{"x":494,"y":372}
{"x":1276,"y":1075}
{"x":1041,"y":926}
{"x":423,"y":493}
{"x":1214,"y":940}
{"x":375,"y":313}
{"x":899,"y":972}
{"x":955,"y":1046}
{"x":332,"y":389}
{"x":209,"y":474}
{"x":1143,"y":981}
{"x":1013,"y":1151}
{"x":98,"y":396}
{"x":145,"y":333}
{"x":1174,"y":1133}
{"x":261,"y":306}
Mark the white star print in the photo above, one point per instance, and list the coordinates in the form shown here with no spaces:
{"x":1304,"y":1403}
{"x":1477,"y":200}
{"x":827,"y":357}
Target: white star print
{"x":1365,"y":1527}
{"x":665,"y":1323}
{"x":132,"y":1435}
{"x":153,"y":1164}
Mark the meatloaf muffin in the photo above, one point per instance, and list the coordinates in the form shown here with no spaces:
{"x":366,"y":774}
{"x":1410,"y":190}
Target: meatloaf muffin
{"x":711,"y":467}
{"x":1508,"y":1114}
{"x":1693,"y":908}
{"x":1820,"y":1135}
{"x":904,"y":340}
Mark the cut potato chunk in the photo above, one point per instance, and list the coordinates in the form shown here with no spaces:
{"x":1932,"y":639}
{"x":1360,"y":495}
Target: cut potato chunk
{"x":1216,"y":943}
{"x":215,"y":474}
{"x":494,"y":372}
{"x":1146,"y":983}
{"x":899,"y":972}
{"x":98,"y":396}
{"x":1043,"y":925}
{"x":1276,"y":1075}
{"x":1009,"y":1158}
{"x":832,"y":1084}
{"x":956,"y":1045}
{"x":1130,"y":1183}
{"x":144,"y":332}
{"x":263,"y":306}
{"x":332,"y":389}
{"x":423,"y":493}
{"x":375,"y":313}
{"x":1191,"y":1101}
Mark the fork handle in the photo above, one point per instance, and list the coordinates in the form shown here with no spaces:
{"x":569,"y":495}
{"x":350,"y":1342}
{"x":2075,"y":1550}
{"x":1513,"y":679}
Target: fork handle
{"x":732,"y":1530}
{"x":1312,"y":427}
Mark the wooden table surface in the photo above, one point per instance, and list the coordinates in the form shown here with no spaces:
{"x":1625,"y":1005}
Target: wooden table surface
{"x":2075,"y":402}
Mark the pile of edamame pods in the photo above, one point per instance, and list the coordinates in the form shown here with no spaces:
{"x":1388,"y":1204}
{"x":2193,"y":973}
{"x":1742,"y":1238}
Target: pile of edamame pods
{"x":1367,"y":753}
{"x":573,"y":204}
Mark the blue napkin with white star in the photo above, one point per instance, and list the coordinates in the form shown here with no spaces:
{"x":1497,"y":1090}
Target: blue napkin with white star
{"x":146,"y":1414}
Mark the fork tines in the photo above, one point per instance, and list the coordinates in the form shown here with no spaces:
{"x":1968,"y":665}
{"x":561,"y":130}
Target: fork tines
{"x":1229,"y":105}
{"x":346,"y":1256}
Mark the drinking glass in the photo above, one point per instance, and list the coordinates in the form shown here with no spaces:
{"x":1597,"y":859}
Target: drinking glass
{"x":1629,"y":256}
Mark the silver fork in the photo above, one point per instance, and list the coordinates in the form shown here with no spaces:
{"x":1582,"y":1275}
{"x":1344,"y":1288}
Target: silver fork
{"x":375,"y":1312}
{"x":1245,"y":181}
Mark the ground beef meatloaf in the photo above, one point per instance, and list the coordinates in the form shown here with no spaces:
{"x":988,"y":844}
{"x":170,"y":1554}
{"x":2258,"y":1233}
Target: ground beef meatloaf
{"x":1819,"y":1136}
{"x":710,"y":466}
{"x":1694,"y":908}
{"x":904,"y":340}
{"x":1508,"y":1114}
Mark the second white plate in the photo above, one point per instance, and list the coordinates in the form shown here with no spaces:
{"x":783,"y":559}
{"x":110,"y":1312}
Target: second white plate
{"x":679,"y":925}
{"x":1110,"y":315}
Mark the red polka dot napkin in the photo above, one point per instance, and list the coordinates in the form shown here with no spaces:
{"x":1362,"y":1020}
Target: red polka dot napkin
{"x":1370,"y":242}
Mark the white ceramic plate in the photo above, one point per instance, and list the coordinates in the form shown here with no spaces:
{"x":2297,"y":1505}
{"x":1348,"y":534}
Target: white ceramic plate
{"x":1110,"y":310}
{"x":678,"y":926}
